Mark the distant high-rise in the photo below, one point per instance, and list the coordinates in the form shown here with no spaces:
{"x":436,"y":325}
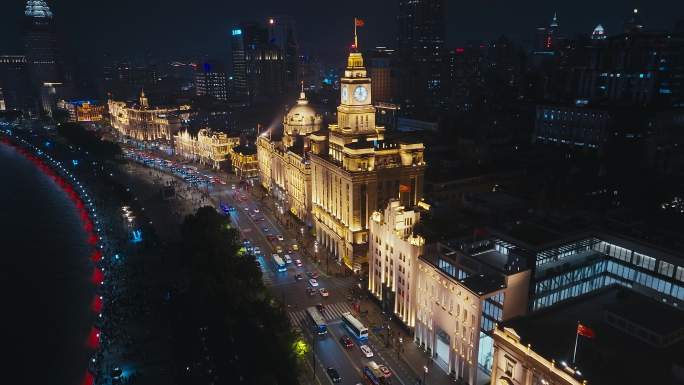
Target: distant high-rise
{"x":210,"y":80}
{"x":239,"y":81}
{"x":381,"y":63}
{"x":258,"y":64}
{"x":14,"y":81}
{"x":283,"y":34}
{"x":546,"y":37}
{"x":40,"y":44}
{"x":421,"y":47}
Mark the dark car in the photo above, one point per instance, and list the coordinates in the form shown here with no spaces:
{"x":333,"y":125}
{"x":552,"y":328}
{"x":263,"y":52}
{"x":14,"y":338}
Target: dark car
{"x":346,"y":342}
{"x":298,"y":277}
{"x":320,"y":307}
{"x":334,"y":376}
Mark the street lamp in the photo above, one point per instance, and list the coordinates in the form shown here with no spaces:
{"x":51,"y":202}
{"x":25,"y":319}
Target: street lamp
{"x":425,"y":372}
{"x":401,"y":340}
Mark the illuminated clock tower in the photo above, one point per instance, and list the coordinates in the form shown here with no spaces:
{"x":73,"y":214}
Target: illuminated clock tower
{"x":355,"y":114}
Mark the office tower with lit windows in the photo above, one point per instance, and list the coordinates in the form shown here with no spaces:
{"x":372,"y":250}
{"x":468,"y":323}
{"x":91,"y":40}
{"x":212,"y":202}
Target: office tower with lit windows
{"x":282,"y":33}
{"x":355,"y":170}
{"x":422,"y":29}
{"x":14,"y":81}
{"x":210,"y":80}
{"x":381,"y":68}
{"x":40,"y":45}
{"x":258,"y":64}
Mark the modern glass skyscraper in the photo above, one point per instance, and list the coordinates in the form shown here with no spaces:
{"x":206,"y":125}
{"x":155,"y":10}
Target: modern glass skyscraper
{"x":421,"y":47}
{"x":40,"y":44}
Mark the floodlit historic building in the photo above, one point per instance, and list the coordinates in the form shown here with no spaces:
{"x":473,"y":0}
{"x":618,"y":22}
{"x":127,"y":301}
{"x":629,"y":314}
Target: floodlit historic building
{"x":355,"y":170}
{"x":284,"y":167}
{"x":462,"y":290}
{"x":393,"y":258}
{"x":140,"y":122}
{"x":82,"y":110}
{"x":207,"y":147}
{"x":243,"y":160}
{"x":518,"y":364}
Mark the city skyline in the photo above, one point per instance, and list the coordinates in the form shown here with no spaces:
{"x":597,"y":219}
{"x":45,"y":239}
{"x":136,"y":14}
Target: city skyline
{"x":324,"y":30}
{"x":394,"y":192}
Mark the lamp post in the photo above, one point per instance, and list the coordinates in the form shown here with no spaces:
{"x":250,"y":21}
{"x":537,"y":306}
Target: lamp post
{"x":401,"y":341}
{"x":425,"y":372}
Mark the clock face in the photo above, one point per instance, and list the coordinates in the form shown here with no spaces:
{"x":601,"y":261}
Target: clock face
{"x":345,"y":94}
{"x":360,"y":93}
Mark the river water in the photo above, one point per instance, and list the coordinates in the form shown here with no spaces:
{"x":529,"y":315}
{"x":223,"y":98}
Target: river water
{"x":45,"y":291}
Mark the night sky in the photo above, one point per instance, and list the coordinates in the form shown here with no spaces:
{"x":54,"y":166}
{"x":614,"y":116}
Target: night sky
{"x":182,"y":27}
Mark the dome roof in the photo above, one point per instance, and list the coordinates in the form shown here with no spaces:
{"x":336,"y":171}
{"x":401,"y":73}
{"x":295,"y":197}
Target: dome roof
{"x":302,"y":114}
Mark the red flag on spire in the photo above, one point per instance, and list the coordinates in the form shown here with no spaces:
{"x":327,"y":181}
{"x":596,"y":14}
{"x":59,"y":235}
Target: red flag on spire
{"x":359,"y":22}
{"x":585,"y":331}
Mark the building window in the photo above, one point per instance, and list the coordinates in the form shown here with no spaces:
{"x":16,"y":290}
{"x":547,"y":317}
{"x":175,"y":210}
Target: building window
{"x":509,"y":368}
{"x":665,"y":268}
{"x":679,"y":275}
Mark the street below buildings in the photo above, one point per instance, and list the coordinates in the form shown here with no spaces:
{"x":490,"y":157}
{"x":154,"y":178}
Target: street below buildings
{"x":267,"y":230}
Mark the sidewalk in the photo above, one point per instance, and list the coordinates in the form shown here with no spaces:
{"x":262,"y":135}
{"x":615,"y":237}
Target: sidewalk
{"x":411,"y":360}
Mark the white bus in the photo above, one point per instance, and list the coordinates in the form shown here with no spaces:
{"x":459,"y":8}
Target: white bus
{"x":355,"y":327}
{"x":317,"y":320}
{"x":279,"y":264}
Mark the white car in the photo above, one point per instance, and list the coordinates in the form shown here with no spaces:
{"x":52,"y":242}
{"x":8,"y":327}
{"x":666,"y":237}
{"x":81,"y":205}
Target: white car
{"x":256,"y":210}
{"x":313,"y":282}
{"x":323,"y":292}
{"x":280,"y":237}
{"x":288,"y":260}
{"x":298,"y":262}
{"x":366,"y":351}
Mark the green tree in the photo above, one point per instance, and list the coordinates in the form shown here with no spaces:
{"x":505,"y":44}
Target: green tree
{"x":226,"y":297}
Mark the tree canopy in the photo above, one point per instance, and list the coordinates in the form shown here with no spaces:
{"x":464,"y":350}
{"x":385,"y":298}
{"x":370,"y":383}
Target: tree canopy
{"x":226,"y":313}
{"x":77,"y":135}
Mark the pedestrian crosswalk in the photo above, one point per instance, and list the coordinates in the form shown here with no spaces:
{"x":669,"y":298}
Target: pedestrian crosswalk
{"x":332,"y":312}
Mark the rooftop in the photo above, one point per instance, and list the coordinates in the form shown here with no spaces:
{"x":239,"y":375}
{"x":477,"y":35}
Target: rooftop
{"x":484,"y":283}
{"x":245,"y":150}
{"x":612,"y":357}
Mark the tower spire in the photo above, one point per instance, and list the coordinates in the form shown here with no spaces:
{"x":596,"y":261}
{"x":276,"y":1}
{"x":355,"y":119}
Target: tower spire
{"x":357,"y":23}
{"x":356,"y":36}
{"x":302,"y":95}
{"x":554,"y":21}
